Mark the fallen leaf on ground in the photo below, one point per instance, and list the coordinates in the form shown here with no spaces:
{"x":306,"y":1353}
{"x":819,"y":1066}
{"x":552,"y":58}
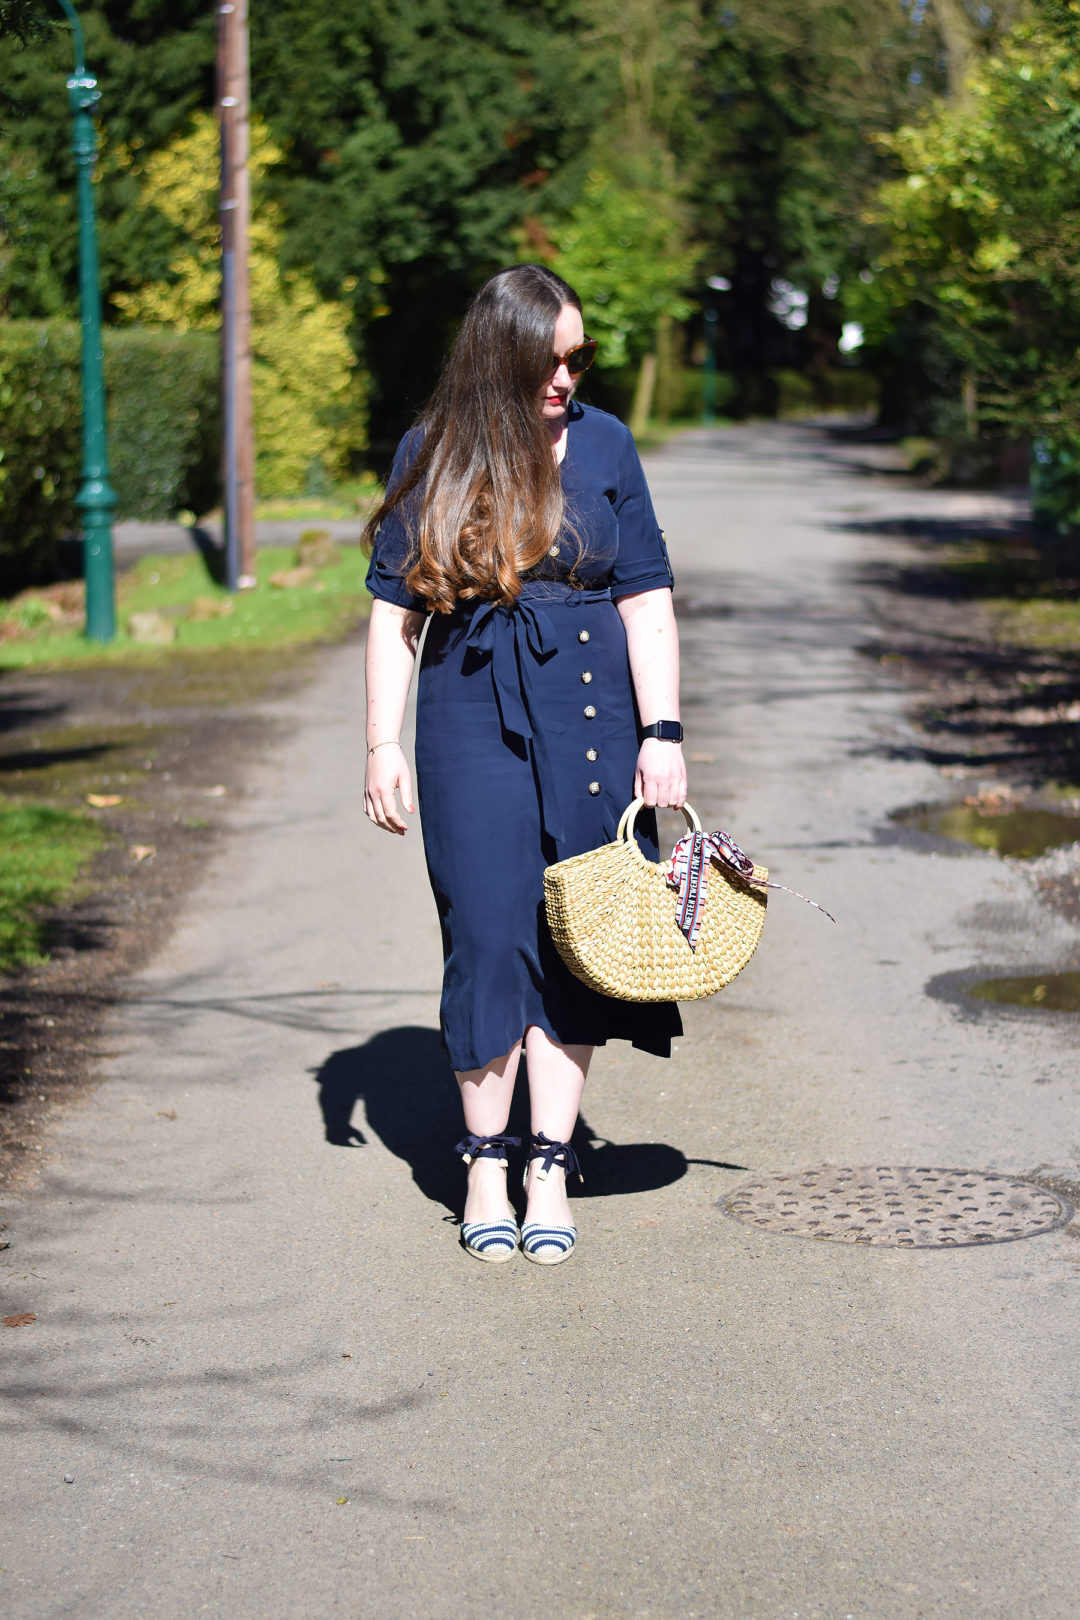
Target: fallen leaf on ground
{"x":102,"y":801}
{"x":20,"y":1319}
{"x":343,"y":1501}
{"x":166,"y":1113}
{"x":142,"y":852}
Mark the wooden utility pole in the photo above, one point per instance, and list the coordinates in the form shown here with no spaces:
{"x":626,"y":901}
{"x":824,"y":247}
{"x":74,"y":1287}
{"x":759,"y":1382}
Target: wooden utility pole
{"x":238,"y":448}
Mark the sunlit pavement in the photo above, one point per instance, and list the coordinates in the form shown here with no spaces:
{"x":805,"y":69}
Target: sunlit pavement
{"x":279,"y":1386}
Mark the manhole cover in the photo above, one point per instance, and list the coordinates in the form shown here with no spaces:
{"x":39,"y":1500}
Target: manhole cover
{"x":898,"y":1207}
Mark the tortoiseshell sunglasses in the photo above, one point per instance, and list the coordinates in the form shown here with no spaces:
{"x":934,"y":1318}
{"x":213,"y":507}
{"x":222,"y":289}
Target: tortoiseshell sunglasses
{"x":576,"y":360}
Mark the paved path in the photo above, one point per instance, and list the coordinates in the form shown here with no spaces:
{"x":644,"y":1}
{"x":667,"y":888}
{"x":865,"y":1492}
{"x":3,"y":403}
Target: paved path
{"x":253,"y":1309}
{"x":133,"y":539}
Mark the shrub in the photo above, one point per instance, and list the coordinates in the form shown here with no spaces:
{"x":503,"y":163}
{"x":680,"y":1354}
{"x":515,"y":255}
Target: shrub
{"x":162,"y":392}
{"x":164,"y":420}
{"x":41,"y":449}
{"x":309,"y":397}
{"x":1055,"y":484}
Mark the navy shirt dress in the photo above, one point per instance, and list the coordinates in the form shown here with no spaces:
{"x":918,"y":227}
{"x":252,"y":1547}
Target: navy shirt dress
{"x":526,"y":747}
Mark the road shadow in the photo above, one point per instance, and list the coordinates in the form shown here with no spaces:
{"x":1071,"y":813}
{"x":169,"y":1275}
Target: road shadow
{"x":212,"y":554}
{"x":411,"y":1104}
{"x":988,"y":696}
{"x":24,"y":704}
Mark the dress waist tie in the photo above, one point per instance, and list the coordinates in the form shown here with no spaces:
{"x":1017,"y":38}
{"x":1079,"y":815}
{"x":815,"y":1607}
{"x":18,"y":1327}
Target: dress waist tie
{"x":517,"y":637}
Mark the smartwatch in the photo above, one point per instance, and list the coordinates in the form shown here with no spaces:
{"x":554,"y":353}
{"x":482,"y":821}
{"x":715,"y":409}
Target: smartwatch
{"x":666,"y":730}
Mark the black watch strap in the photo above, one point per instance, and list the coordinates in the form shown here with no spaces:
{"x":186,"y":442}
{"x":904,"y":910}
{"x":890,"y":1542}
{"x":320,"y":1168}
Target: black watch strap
{"x":665,"y":730}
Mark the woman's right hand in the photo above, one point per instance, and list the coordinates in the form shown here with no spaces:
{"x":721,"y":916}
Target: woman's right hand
{"x":388,"y":775}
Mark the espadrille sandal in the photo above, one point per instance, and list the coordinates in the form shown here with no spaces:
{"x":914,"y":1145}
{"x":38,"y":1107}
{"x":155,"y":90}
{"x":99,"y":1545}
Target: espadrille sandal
{"x":493,"y":1241}
{"x":541,"y":1242}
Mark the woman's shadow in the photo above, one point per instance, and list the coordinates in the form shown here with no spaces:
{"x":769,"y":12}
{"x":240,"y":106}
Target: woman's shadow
{"x":411,"y":1104}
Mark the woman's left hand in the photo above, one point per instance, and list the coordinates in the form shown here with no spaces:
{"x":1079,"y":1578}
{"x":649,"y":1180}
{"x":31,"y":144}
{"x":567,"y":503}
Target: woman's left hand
{"x":660,"y":778}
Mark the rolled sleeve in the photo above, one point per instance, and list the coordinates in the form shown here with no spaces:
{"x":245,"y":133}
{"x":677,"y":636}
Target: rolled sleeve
{"x":392,"y":555}
{"x":642,"y":563}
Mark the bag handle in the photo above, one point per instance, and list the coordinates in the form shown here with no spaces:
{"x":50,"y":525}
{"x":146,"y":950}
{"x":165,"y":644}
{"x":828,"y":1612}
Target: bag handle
{"x":629,"y":816}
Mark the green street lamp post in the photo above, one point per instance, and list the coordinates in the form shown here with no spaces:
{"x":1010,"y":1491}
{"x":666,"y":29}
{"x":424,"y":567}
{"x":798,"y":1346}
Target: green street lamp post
{"x":96,"y":496}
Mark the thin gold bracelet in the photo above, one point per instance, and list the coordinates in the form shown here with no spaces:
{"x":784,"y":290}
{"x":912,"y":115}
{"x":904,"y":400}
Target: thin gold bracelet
{"x":382,"y":744}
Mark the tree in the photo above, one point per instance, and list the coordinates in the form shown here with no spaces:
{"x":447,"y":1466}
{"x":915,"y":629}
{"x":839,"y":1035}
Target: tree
{"x":308,"y":395}
{"x":416,"y":135}
{"x":978,"y":236}
{"x":25,"y":22}
{"x":786,"y":99}
{"x":154,"y":61}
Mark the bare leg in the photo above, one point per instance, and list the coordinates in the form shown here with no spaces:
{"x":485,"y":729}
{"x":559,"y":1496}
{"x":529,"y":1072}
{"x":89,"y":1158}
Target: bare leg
{"x":485,"y":1097}
{"x":556,"y":1081}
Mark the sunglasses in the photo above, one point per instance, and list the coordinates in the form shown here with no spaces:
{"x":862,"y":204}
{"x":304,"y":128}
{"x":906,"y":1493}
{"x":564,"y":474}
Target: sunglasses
{"x":576,"y":360}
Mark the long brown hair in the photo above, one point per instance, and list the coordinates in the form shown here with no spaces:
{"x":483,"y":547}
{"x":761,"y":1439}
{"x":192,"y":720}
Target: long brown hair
{"x":491,"y":501}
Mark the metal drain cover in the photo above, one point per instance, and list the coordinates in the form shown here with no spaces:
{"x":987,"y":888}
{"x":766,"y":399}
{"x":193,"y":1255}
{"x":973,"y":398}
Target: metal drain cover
{"x":898,"y":1207}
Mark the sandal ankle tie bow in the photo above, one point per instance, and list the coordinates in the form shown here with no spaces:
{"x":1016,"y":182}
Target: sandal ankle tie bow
{"x":560,"y":1153}
{"x":486,"y":1147}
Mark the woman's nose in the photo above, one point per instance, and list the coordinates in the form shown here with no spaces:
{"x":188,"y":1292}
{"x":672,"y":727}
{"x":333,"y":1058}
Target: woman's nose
{"x":562,"y":377}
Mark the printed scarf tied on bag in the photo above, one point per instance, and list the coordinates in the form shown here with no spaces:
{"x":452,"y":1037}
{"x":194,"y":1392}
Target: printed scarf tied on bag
{"x":688,"y":872}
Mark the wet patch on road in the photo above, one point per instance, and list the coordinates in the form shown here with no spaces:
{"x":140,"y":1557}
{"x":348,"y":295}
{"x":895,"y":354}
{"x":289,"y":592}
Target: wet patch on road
{"x":966,"y":990}
{"x":1052,"y":992}
{"x":899,"y":1207}
{"x":1020,"y":832}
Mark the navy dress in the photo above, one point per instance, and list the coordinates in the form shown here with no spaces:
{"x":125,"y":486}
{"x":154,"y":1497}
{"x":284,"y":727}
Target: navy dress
{"x":526,"y":746}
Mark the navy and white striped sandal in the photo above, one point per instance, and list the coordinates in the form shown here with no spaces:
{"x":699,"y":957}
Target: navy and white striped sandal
{"x":494,"y":1241}
{"x":549,"y":1245}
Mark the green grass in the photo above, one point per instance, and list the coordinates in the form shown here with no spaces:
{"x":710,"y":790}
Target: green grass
{"x":42,"y":851}
{"x":1030,"y":589}
{"x":323,"y":610}
{"x":1040,"y":622}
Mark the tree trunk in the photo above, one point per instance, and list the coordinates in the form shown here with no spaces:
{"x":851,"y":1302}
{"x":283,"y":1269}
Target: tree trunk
{"x":643,"y":396}
{"x":958,"y":37}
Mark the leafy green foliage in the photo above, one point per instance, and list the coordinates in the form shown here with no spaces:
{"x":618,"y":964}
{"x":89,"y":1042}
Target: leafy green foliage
{"x":42,"y":851}
{"x":42,"y":447}
{"x":982,"y":226}
{"x":417,"y":134}
{"x":162,"y":391}
{"x":620,"y":249}
{"x":154,"y":62}
{"x":309,"y":395}
{"x":780,"y":162}
{"x":164,"y":420}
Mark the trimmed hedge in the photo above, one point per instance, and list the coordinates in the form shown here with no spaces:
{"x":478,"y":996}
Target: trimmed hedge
{"x":40,"y":446}
{"x":164,"y":414}
{"x":164,"y":420}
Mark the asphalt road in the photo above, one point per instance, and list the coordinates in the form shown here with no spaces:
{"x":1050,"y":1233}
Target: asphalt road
{"x":282,"y":1390}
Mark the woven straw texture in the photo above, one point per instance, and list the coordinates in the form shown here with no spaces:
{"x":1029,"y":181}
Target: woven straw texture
{"x":612,"y":916}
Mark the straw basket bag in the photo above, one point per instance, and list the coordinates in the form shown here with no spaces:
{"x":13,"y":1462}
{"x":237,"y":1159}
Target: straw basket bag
{"x":614,"y":918}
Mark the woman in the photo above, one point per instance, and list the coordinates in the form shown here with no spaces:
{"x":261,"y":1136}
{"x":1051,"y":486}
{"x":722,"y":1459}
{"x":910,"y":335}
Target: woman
{"x":548,"y":697}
